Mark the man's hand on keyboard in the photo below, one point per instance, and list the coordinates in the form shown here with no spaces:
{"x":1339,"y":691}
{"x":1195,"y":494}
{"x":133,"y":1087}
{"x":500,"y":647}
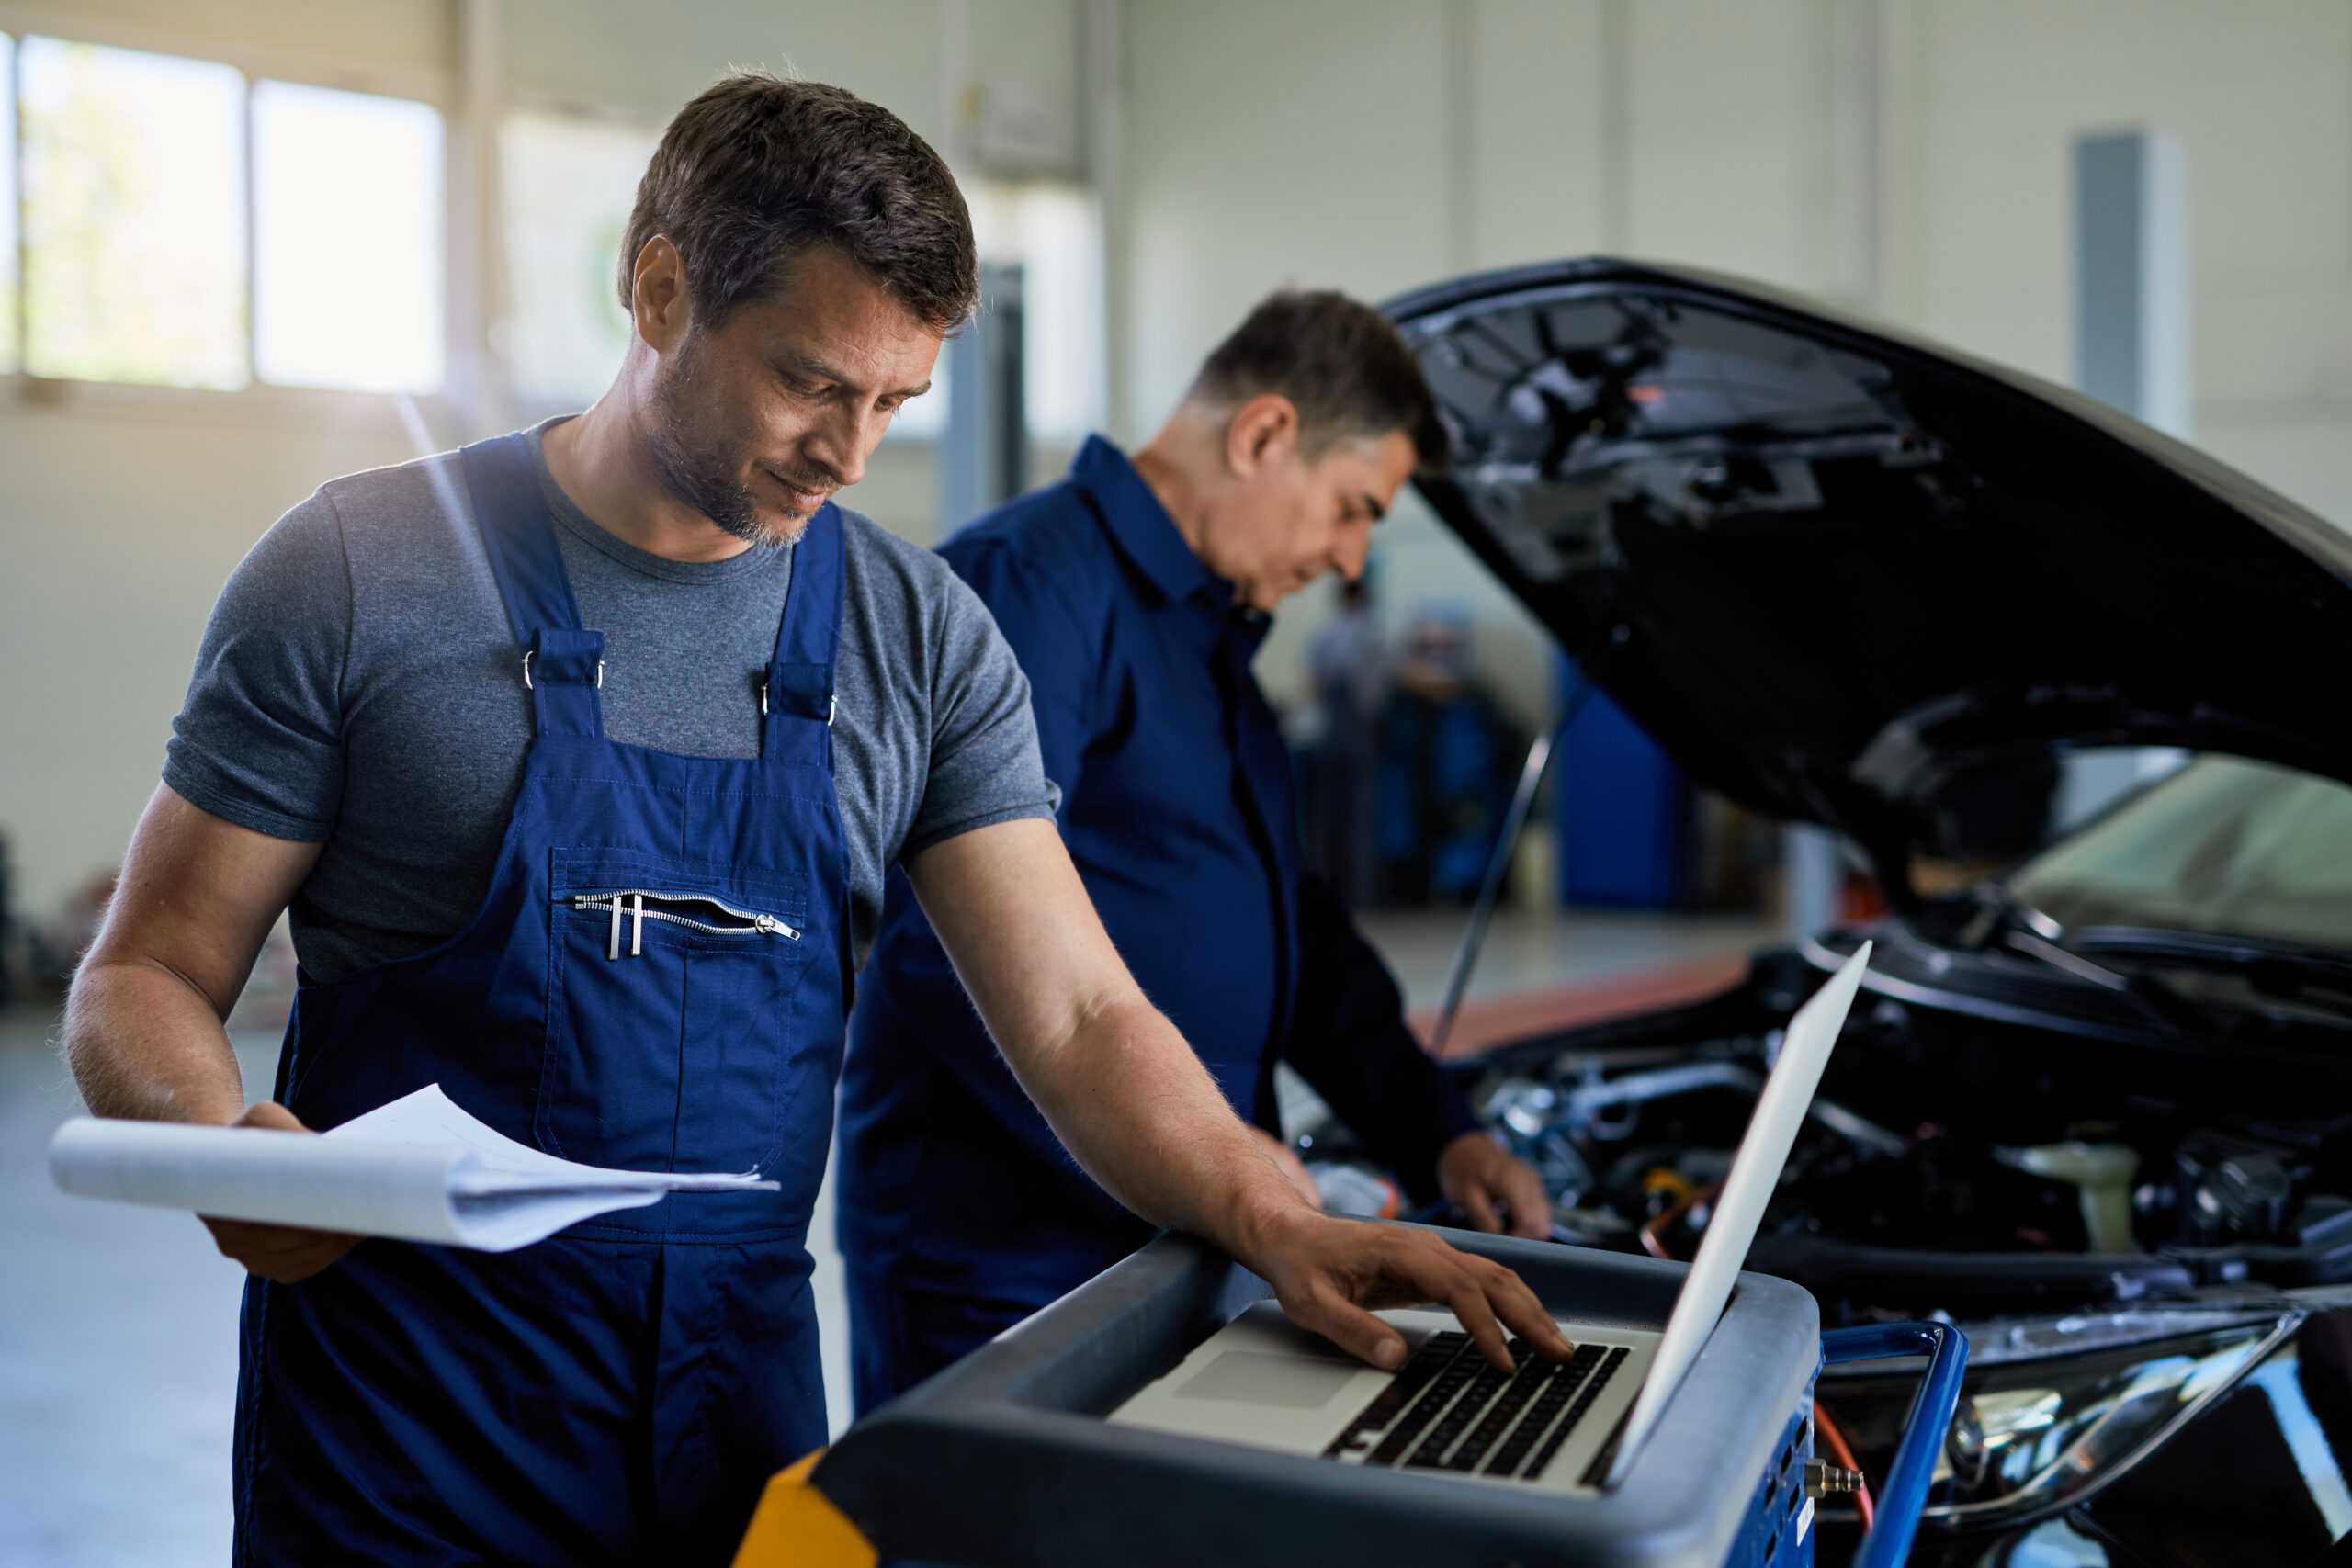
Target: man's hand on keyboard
{"x":1331,"y":1274}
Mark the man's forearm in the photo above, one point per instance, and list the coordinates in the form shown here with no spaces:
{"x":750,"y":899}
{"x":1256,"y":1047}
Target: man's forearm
{"x":1116,"y":1083}
{"x":1133,"y":1104}
{"x":145,"y":1044}
{"x":143,"y":1021}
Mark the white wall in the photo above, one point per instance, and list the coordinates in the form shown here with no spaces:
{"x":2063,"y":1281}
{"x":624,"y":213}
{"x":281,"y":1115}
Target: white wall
{"x":117,"y":526}
{"x":1909,"y":156}
{"x":2260,"y":95}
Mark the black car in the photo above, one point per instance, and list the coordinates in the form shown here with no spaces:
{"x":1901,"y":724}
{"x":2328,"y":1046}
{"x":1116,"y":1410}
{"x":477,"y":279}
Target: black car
{"x":2096,"y":1105}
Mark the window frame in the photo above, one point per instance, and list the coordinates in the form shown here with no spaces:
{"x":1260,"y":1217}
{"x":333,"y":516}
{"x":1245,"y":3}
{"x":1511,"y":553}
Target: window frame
{"x":258,"y":399}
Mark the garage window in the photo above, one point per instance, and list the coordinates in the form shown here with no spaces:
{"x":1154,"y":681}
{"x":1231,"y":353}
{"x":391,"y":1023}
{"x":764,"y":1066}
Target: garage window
{"x":183,"y":226}
{"x":347,"y":240}
{"x":134,"y":223}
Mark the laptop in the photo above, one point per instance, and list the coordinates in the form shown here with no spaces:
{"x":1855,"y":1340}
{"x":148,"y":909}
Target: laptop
{"x":1568,"y":1428}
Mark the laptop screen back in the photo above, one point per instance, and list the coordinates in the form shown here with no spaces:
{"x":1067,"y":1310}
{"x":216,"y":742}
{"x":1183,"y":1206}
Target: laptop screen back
{"x":1755,"y":1172}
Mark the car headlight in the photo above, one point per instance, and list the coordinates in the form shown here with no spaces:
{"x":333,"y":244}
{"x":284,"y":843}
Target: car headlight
{"x":2054,"y":1409}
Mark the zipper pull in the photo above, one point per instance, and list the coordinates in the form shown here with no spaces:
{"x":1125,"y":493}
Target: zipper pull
{"x":613,"y":948}
{"x":637,"y":929}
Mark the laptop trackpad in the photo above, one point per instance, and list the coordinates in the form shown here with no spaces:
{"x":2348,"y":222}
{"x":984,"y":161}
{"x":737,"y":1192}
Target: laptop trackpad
{"x":1251,"y":1377}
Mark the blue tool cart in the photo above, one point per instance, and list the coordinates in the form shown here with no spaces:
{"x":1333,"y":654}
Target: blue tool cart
{"x":1004,"y":1460}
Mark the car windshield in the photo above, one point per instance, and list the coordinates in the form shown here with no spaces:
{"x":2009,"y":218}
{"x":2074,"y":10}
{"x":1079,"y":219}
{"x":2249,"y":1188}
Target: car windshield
{"x":2224,"y":846}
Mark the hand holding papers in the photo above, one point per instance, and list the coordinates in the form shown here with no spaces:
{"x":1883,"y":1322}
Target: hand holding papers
{"x":419,"y":1169}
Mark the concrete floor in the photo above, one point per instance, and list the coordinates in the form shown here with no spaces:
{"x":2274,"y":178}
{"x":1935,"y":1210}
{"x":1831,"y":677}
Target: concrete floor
{"x":1524,"y":951}
{"x":118,"y":1324}
{"x":118,"y":1350}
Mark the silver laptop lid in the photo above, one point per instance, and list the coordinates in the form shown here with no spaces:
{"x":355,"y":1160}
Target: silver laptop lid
{"x":1755,"y":1172}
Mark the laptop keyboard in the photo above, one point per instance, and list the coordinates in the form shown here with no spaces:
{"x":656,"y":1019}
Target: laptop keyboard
{"x":1447,"y":1409}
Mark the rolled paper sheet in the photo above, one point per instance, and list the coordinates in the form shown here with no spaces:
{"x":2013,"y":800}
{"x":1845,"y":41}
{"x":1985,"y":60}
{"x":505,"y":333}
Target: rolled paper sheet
{"x":419,"y":1169}
{"x":251,"y":1173}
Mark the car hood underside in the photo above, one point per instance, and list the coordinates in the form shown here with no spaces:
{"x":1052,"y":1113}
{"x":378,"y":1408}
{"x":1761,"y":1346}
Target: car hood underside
{"x":1846,"y":577}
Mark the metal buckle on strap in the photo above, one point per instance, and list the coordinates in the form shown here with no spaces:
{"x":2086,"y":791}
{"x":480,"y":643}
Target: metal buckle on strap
{"x":527,"y":672}
{"x":832,"y":704}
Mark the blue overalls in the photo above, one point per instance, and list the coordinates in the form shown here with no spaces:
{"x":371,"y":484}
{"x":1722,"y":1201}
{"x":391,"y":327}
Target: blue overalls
{"x":656,"y":981}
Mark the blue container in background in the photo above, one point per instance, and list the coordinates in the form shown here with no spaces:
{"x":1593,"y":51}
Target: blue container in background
{"x":1622,"y":810}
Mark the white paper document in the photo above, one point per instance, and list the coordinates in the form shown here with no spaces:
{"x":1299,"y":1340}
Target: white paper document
{"x":419,"y":1169}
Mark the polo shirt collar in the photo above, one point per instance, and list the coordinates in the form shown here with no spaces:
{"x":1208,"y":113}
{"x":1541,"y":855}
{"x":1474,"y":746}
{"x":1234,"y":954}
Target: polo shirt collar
{"x":1141,"y":525}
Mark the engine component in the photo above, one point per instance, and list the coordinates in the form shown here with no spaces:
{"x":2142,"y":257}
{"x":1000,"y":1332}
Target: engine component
{"x":2100,"y":1173}
{"x":1529,"y":1117}
{"x":1974,"y":1216}
{"x":1606,"y":1109}
{"x":2235,"y":1189}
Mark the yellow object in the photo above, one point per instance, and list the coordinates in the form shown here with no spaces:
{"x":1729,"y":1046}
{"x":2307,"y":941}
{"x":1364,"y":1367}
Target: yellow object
{"x":1662,"y":1179}
{"x":795,"y":1526}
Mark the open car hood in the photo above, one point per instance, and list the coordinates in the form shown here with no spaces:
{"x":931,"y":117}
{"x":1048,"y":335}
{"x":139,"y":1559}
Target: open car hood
{"x":1846,"y":576}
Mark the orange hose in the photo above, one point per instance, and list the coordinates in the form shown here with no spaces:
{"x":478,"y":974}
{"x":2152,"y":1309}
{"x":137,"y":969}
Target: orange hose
{"x":1653,"y":1232}
{"x":1844,"y":1456}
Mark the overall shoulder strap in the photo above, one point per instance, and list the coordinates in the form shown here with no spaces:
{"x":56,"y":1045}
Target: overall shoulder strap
{"x":808,"y":640}
{"x":563,"y":662}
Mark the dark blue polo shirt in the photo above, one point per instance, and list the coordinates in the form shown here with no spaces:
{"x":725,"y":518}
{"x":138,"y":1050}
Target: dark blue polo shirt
{"x":1177,"y":808}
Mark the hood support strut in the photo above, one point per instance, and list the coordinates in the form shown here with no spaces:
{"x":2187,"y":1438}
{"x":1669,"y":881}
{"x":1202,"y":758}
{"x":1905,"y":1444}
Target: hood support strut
{"x":1530,"y":779}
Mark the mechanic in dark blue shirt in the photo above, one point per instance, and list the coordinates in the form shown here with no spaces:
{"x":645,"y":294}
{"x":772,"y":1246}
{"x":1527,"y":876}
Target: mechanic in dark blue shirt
{"x":1134,"y":595}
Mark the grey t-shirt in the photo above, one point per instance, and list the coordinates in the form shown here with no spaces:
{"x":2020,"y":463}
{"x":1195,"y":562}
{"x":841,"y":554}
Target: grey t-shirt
{"x":359,"y":686}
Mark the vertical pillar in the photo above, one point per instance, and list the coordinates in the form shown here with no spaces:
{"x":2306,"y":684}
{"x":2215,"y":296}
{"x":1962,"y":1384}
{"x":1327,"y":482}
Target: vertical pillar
{"x":1854,"y":115}
{"x":1616,"y":126}
{"x":1104,"y":86}
{"x":2132,"y":311}
{"x":982,"y":454}
{"x":476,"y":386}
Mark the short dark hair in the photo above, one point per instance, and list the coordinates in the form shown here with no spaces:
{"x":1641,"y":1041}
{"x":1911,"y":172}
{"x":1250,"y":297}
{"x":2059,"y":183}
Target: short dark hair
{"x":756,"y":171}
{"x":1340,"y":362}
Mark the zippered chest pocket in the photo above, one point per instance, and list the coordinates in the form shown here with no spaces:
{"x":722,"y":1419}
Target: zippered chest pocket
{"x":674,"y":1040}
{"x":626,"y":910}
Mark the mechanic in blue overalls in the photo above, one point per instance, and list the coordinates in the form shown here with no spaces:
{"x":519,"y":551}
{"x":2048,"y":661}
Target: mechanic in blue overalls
{"x":1134,"y":594}
{"x":580,"y":759}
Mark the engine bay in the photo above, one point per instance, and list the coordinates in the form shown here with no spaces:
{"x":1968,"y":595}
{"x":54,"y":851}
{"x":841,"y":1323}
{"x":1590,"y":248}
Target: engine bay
{"x":1951,"y":1163}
